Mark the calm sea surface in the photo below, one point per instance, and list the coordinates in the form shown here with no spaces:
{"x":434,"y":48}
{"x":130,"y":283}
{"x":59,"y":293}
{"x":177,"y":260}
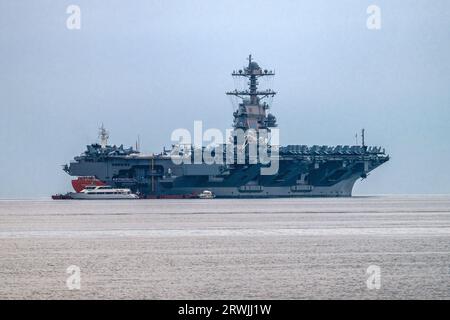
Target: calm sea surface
{"x":227,"y":249}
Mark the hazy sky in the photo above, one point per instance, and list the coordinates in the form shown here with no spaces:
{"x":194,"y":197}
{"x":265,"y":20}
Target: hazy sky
{"x":149,"y":67}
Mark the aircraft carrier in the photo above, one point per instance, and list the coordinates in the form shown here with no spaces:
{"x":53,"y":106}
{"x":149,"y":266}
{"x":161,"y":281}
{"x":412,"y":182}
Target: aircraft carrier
{"x":301,"y":171}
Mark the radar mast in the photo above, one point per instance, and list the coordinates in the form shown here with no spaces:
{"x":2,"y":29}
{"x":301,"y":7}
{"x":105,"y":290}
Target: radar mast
{"x":251,"y":113}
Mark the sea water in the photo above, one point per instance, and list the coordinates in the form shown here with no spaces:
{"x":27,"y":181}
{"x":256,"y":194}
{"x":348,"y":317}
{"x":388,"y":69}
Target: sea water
{"x":373,"y":247}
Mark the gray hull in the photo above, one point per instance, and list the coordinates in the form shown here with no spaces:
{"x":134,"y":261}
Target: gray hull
{"x":340,"y":189}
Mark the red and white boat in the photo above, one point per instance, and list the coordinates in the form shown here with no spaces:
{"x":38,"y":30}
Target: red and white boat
{"x":102,"y":193}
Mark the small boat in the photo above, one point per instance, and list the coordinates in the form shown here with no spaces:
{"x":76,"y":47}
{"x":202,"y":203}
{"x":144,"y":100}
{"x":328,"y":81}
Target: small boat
{"x":102,"y":193}
{"x":206,"y":194}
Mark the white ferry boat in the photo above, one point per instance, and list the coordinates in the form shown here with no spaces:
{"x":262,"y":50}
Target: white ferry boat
{"x":206,"y":195}
{"x":103,"y":193}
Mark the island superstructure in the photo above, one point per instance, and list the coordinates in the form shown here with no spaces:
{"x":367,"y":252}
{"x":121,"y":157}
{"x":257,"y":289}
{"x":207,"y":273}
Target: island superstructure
{"x":303,"y":171}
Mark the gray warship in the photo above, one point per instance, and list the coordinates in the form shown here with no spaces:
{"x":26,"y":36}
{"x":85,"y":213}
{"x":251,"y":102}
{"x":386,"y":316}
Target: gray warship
{"x":302,"y":171}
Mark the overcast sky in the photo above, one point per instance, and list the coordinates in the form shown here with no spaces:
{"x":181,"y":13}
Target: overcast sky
{"x":148,"y":67}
